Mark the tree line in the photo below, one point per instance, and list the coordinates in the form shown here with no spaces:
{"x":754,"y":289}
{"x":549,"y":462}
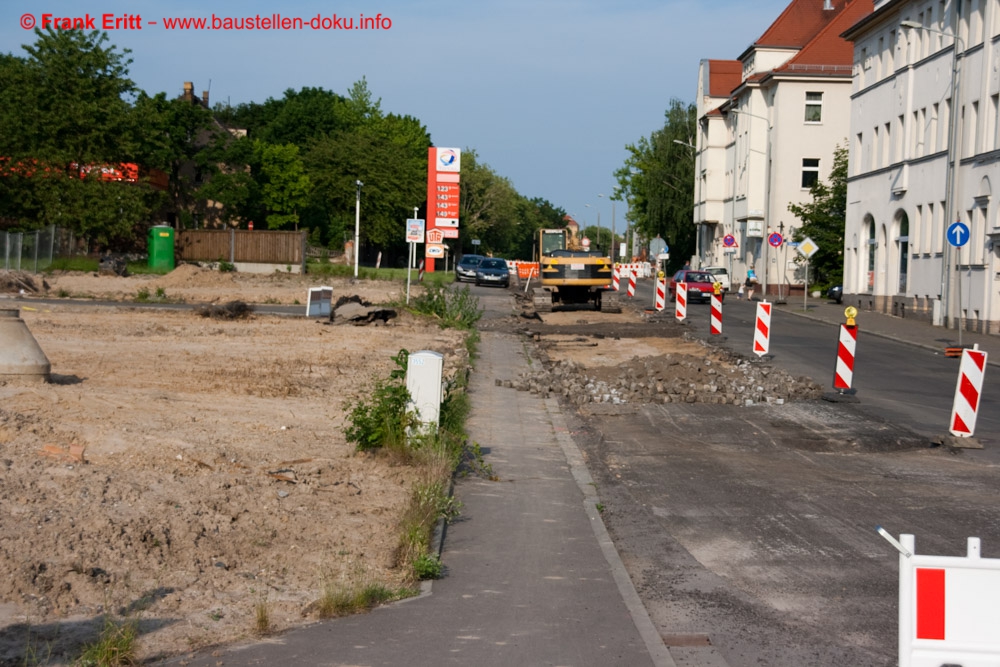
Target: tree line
{"x":69,"y":113}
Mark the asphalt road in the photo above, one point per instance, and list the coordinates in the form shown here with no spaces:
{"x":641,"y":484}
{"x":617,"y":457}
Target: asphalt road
{"x":753,"y":529}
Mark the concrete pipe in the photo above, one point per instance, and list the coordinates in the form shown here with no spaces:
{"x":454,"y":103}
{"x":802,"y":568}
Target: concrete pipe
{"x":20,"y":356}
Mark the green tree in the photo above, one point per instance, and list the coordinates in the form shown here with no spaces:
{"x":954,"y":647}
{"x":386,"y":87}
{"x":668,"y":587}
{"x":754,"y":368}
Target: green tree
{"x":65,"y":119}
{"x":823,"y":220}
{"x":488,"y":206}
{"x":657,"y":180}
{"x":284,"y":183}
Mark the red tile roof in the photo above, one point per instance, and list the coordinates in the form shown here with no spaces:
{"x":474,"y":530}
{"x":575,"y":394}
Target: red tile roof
{"x":799,"y":23}
{"x":723,"y":76}
{"x":828,"y":51}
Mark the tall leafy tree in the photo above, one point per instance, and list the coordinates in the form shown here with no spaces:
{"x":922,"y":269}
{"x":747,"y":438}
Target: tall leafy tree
{"x":285,"y":185}
{"x":824,"y":219}
{"x":66,"y":118}
{"x":658,"y":181}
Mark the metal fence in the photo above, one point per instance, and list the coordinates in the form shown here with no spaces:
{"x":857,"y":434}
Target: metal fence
{"x":33,"y":251}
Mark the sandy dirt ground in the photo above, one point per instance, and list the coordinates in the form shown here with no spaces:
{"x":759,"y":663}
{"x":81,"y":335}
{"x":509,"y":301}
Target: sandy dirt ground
{"x":183,"y":469}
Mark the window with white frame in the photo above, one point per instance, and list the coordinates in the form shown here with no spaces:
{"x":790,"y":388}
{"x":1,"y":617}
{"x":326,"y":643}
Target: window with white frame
{"x":814,"y":107}
{"x":810,"y":171}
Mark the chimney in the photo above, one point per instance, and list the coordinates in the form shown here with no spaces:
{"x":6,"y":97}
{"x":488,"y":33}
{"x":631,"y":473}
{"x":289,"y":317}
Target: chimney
{"x":188,"y":91}
{"x":204,"y":98}
{"x":828,"y":5}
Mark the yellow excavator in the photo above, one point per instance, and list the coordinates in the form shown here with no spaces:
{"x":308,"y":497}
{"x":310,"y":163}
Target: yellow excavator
{"x":570,"y":272}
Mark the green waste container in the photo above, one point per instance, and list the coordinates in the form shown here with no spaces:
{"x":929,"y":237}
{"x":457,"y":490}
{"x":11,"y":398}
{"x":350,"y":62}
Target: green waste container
{"x":161,"y":247}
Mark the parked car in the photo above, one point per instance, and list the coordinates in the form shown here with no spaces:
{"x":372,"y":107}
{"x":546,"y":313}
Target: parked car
{"x":721,"y":274}
{"x":493,"y":272}
{"x":465,"y":270}
{"x":700,"y":285}
{"x":836,"y":293}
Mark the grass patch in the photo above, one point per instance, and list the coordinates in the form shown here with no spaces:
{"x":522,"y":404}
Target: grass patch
{"x":262,"y":615}
{"x":144,"y":296}
{"x":453,"y":308}
{"x":340,"y":599}
{"x":85,"y":264}
{"x":368,"y":273}
{"x":115,"y":647}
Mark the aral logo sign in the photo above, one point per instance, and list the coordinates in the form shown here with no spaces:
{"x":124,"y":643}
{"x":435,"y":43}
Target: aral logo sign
{"x":448,"y":159}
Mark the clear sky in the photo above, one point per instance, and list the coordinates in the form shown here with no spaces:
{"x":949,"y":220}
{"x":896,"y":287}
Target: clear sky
{"x":547,"y":92}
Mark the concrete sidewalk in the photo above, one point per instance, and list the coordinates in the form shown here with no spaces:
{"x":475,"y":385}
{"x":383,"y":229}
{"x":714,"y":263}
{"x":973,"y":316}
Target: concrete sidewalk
{"x":532,"y":577}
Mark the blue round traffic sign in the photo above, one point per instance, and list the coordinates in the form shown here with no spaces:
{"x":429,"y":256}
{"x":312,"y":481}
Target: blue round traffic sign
{"x":775,"y":239}
{"x":729,"y":240}
{"x":958,"y":234}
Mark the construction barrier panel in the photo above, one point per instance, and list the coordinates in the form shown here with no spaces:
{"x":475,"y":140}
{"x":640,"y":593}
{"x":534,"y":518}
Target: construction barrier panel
{"x":948,"y":608}
{"x":762,"y":329}
{"x":715,"y":325}
{"x":661,"y":294}
{"x":967,"y":394}
{"x":843,"y":375}
{"x":631,"y":284}
{"x":681,"y":298}
{"x":615,"y":278}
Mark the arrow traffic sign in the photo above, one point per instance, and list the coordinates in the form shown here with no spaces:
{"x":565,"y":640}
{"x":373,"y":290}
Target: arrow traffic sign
{"x":958,"y":234}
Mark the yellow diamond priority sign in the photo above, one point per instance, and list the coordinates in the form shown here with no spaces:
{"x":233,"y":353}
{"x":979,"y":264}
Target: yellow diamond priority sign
{"x":807,"y":247}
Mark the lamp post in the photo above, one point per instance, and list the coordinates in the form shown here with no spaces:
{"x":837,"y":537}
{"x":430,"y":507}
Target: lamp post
{"x":952,"y":167}
{"x":767,"y":195}
{"x":697,"y":227}
{"x":357,"y":227}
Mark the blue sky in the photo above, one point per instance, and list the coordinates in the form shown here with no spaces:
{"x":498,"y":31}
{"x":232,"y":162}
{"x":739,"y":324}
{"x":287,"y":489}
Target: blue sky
{"x":547,"y":92}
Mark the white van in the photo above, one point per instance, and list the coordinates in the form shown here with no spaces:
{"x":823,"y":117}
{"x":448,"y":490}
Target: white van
{"x":721,"y":274}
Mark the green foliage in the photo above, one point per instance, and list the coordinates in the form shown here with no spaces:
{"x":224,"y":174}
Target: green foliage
{"x":226,"y":267}
{"x":343,"y":599}
{"x":454,"y":308}
{"x":83,"y":264}
{"x":824,"y":219}
{"x":658,"y":181}
{"x":115,"y":647}
{"x":383,"y":420}
{"x":284,"y":184}
{"x":427,"y":566}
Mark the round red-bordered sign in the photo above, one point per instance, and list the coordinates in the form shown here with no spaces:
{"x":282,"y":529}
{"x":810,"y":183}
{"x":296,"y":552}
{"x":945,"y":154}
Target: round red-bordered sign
{"x":775,"y":239}
{"x":729,"y":240}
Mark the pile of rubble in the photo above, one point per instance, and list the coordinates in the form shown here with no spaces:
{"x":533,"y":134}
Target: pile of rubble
{"x":671,"y":378}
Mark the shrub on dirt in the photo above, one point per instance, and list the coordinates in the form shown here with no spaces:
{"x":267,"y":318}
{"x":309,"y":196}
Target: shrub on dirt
{"x":234,"y":310}
{"x":382,"y":421}
{"x":456,"y":308}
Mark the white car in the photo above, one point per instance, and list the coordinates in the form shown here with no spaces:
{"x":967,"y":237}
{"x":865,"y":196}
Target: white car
{"x":721,"y":274}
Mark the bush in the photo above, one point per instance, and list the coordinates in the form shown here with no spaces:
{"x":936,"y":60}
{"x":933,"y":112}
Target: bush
{"x":383,"y":421}
{"x":454,"y":308}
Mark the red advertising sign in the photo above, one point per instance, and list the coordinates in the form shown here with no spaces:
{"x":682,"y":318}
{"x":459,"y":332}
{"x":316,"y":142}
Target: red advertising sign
{"x":443,"y":193}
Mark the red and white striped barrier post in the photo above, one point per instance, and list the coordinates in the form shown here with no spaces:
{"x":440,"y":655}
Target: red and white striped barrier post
{"x":715,"y":325}
{"x":631,"y":283}
{"x":843,"y":375}
{"x":681,"y":296}
{"x":420,"y":272}
{"x":615,"y":278}
{"x":968,"y":393}
{"x":661,"y":294}
{"x":762,"y":329}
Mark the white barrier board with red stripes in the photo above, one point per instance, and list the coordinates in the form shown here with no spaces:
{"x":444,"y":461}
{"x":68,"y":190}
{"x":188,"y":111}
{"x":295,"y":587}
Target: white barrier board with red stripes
{"x":681,"y":297}
{"x":948,"y":611}
{"x":967,"y":394}
{"x":762,"y":329}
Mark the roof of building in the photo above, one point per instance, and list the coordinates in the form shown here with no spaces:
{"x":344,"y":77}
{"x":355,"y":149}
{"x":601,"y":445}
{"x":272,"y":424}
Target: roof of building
{"x":828,"y":52}
{"x":723,"y":76}
{"x":799,"y":23}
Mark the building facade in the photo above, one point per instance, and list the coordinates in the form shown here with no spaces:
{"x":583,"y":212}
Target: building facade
{"x":769,"y":124}
{"x":919,"y":162}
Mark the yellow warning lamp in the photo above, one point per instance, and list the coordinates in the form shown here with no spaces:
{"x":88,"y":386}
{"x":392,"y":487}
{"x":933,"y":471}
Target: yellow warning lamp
{"x":660,"y":274}
{"x":850,"y":313}
{"x":717,"y":288}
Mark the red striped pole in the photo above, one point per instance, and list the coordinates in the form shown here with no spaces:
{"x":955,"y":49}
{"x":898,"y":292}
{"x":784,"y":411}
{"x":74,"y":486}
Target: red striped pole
{"x":631,"y":283}
{"x":680,"y":312}
{"x":762,"y":330}
{"x":661,"y":293}
{"x":843,"y":376}
{"x":968,"y":392}
{"x":715,"y":326}
{"x":615,"y":278}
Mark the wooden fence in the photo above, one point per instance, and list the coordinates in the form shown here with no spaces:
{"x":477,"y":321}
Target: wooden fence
{"x":241,"y":245}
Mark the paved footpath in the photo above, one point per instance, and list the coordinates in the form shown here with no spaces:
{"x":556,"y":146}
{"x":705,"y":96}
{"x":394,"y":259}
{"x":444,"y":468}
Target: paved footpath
{"x":532,"y":577}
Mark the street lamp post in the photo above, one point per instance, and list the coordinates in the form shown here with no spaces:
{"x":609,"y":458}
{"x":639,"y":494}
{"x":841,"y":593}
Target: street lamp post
{"x":952,"y":167}
{"x":598,"y":218}
{"x":767,"y":196}
{"x":357,"y":227}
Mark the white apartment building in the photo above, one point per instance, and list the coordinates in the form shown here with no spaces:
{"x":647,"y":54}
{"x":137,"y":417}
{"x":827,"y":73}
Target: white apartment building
{"x":769,"y":124}
{"x":903,"y":194}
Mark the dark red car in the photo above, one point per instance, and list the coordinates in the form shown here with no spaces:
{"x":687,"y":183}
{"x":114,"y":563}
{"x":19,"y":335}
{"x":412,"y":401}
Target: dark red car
{"x":700,"y":285}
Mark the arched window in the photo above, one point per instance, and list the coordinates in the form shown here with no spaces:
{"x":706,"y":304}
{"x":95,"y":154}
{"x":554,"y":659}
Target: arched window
{"x":870,"y":282}
{"x":903,"y":243}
